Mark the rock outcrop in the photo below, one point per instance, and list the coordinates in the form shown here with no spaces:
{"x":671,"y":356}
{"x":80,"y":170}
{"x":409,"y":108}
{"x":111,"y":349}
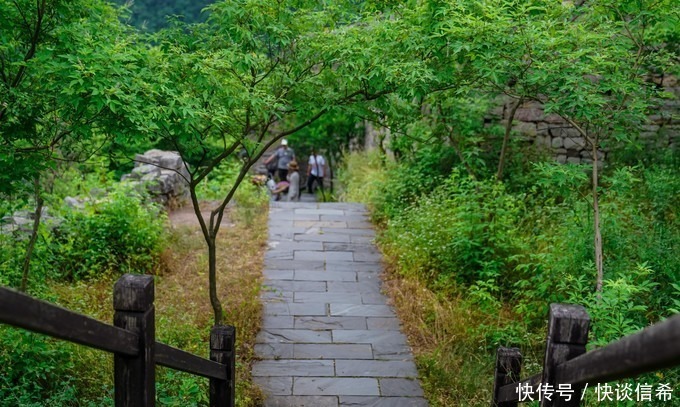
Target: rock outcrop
{"x":20,"y":223}
{"x":164,"y":175}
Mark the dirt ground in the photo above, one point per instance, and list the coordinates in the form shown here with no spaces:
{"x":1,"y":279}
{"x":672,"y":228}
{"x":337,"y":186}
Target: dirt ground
{"x":185,"y":216}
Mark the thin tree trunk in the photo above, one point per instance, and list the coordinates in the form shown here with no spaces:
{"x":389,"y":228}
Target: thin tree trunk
{"x":596,"y":221}
{"x":458,"y":152}
{"x":34,"y":236}
{"x":211,"y":240}
{"x":212,"y":281}
{"x":594,"y":142}
{"x":506,"y":139}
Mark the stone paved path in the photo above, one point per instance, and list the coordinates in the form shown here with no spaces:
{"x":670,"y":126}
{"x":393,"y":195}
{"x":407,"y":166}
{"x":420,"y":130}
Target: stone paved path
{"x":328,"y":337}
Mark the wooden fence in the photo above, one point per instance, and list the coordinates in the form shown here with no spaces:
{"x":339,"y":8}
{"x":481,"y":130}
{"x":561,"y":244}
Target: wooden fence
{"x":131,"y":339}
{"x":568,"y":368}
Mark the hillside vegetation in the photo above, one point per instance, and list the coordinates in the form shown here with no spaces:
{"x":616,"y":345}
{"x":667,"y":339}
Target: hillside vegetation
{"x":475,"y":263}
{"x":482,"y":228}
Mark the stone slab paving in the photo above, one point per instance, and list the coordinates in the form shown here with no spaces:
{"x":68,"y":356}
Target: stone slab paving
{"x":328,"y":336}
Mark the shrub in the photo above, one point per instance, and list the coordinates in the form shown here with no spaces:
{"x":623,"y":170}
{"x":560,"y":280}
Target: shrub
{"x":34,"y":371}
{"x":419,"y":174}
{"x":465,"y":231}
{"x":43,"y":267}
{"x":216,"y":185}
{"x":639,"y":233}
{"x":249,"y":199}
{"x":121,"y":233}
{"x":508,"y":250}
{"x":362,"y":175}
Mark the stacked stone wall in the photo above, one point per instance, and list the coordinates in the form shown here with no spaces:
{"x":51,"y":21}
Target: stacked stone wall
{"x":551,"y":133}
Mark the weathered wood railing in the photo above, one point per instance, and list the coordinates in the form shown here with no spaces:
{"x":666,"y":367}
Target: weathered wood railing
{"x":567,"y":368}
{"x":131,"y":339}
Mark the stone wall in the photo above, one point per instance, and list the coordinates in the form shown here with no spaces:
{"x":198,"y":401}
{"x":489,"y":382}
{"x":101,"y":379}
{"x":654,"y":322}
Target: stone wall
{"x":552,"y":133}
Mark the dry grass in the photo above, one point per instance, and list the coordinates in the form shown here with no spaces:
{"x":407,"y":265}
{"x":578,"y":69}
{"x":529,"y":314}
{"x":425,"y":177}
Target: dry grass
{"x":183,"y":312}
{"x":453,"y":340}
{"x":182,"y":292}
{"x":454,"y":363}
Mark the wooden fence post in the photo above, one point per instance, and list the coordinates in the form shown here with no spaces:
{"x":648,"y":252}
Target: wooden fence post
{"x":567,"y":337}
{"x":508,"y":367}
{"x":135,"y":376}
{"x":222,"y":344}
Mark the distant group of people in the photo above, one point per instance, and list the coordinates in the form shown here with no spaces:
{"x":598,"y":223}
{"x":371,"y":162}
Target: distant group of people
{"x":282,"y":164}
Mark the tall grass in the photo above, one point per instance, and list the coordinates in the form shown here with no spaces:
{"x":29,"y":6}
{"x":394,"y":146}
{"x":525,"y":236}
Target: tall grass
{"x":475,"y":263}
{"x":361,"y":176}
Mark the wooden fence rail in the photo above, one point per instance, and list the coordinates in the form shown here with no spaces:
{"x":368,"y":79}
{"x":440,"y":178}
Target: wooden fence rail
{"x":131,"y":340}
{"x":567,"y":365}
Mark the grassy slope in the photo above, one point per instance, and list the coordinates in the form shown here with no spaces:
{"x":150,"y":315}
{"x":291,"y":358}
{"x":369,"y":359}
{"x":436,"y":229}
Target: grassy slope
{"x":183,"y":312}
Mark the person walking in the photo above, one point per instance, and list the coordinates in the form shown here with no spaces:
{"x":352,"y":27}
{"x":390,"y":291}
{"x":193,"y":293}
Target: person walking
{"x":315,"y":171}
{"x":293,"y":182}
{"x":284,"y":155}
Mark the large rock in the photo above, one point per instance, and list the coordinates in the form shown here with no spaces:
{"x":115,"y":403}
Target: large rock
{"x":529,"y":114}
{"x":164,"y":174}
{"x":20,"y":223}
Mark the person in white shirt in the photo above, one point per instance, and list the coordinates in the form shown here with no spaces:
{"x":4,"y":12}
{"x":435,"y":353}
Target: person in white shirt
{"x":315,"y":171}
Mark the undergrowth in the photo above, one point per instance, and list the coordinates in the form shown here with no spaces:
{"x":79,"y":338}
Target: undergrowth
{"x":475,"y":262}
{"x":76,"y":265}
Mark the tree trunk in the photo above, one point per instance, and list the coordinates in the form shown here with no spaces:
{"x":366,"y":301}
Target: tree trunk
{"x":210,"y":236}
{"x":596,"y":221}
{"x":212,"y":280}
{"x":34,"y":236}
{"x":506,"y":139}
{"x":459,"y":153}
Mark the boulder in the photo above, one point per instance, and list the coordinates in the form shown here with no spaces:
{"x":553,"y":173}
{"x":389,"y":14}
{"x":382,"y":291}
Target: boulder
{"x":74,"y":203}
{"x":20,"y":223}
{"x":146,"y":169}
{"x":164,"y":174}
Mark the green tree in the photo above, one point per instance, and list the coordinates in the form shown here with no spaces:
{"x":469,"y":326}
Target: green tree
{"x":66,"y":70}
{"x":256,"y":72}
{"x":586,"y":63}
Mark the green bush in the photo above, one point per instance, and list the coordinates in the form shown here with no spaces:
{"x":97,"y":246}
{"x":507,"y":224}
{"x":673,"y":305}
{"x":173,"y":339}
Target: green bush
{"x":35,"y":371}
{"x":43,"y":267}
{"x":249,"y":199}
{"x":465,"y":231}
{"x":640,"y":234}
{"x":506,"y":250}
{"x":121,"y":233}
{"x":179,"y":389}
{"x":362,"y":176}
{"x":217,"y":184}
{"x":419,"y":174}
{"x":532,"y":247}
